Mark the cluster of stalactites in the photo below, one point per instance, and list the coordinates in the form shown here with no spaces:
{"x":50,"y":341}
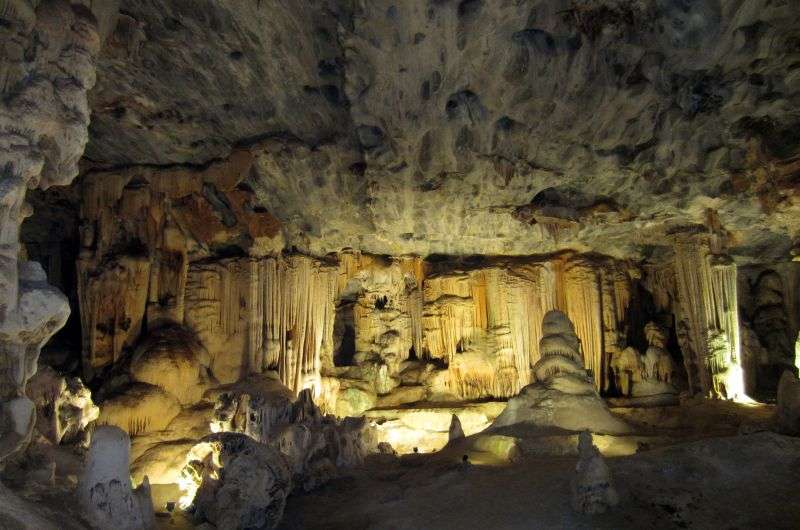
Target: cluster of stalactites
{"x":292,"y":319}
{"x":708,"y":318}
{"x":500,"y":308}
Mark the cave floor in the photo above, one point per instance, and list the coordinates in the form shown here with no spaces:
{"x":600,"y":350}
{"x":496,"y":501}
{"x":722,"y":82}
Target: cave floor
{"x":710,"y":465}
{"x":702,"y":471}
{"x":744,"y":481}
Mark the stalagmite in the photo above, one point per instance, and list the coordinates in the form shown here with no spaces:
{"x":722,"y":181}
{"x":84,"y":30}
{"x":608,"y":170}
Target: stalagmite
{"x":456,"y":432}
{"x":563,"y":395}
{"x":592,"y":488}
{"x":173,"y":359}
{"x":105,"y":490}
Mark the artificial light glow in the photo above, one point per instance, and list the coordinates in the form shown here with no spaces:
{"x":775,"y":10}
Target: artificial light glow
{"x":188,"y":489}
{"x":734,"y":384}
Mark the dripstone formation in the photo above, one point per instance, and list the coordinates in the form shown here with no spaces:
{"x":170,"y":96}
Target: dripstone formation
{"x":563,"y":395}
{"x":251,"y":249}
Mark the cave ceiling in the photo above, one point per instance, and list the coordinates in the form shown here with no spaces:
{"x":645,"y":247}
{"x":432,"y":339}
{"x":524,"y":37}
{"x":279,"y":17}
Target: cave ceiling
{"x":476,"y":126}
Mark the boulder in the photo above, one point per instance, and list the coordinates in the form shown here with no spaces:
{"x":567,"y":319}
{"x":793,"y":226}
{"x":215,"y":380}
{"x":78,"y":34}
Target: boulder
{"x":235,"y":482}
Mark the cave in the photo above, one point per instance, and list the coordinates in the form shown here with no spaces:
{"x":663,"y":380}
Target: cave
{"x":426,"y":264}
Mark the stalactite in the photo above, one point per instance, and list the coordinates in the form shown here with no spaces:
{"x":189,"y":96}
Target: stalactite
{"x":112,"y":301}
{"x":449,"y":315}
{"x":726,"y":305}
{"x":582,"y":298}
{"x":708,"y":307}
{"x":384,"y":335}
{"x":298,"y":299}
{"x":692,"y":277}
{"x":168,"y":278}
{"x":486,"y":323}
{"x":415,"y":310}
{"x":659,"y":280}
{"x":219,"y":309}
{"x":529,"y":294}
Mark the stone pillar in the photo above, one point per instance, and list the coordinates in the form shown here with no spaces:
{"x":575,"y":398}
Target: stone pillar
{"x":47,"y":66}
{"x":708,"y":312}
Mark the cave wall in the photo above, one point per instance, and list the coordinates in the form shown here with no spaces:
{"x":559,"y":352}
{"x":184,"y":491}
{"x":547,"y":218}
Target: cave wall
{"x":770,"y":309}
{"x":192,"y":246}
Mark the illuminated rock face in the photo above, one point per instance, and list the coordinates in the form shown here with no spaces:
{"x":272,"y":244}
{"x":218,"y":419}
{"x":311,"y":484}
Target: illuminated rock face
{"x":237,"y":482}
{"x":396,"y":209}
{"x":651,"y":376}
{"x":709,"y":317}
{"x":64,"y":406}
{"x":265,"y":447}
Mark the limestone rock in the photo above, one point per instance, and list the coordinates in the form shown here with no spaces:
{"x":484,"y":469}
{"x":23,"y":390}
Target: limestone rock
{"x":427,"y":426}
{"x":563,"y":395}
{"x":105,"y":491}
{"x":788,"y":409}
{"x":162,"y":462}
{"x":64,"y":406}
{"x":402,"y":395}
{"x":44,"y":118}
{"x":542,"y":407}
{"x":592,"y":487}
{"x":354,"y":401}
{"x":235,"y":482}
{"x":456,"y":432}
{"x":139,"y":408}
{"x":18,"y":417}
{"x":172,"y":359}
{"x":22,"y":514}
{"x":254,"y":405}
{"x":314,"y":446}
{"x":688,"y":115}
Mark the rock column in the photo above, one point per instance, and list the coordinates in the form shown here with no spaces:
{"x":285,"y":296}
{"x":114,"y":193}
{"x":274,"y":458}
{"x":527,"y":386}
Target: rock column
{"x":47,"y":66}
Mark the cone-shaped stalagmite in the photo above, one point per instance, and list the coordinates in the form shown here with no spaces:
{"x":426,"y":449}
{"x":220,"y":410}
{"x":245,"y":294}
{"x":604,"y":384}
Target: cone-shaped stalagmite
{"x":563,"y":395}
